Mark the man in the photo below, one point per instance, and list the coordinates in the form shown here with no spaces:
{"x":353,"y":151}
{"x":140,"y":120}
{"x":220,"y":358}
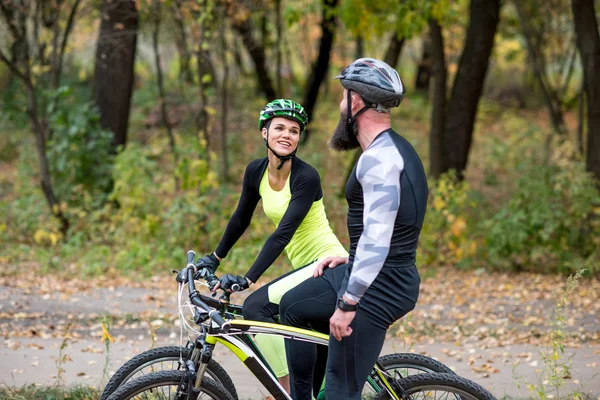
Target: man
{"x":379,"y":282}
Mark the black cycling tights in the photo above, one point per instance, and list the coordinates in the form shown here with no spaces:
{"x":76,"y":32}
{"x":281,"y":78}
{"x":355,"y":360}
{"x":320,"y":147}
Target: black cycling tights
{"x":310,"y":305}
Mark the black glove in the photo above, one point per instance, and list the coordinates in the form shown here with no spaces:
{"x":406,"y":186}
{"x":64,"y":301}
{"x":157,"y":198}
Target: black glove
{"x":229,"y":282}
{"x":210,"y":262}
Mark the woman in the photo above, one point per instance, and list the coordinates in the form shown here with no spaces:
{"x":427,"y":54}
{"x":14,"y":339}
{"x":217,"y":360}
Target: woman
{"x":293,"y":199}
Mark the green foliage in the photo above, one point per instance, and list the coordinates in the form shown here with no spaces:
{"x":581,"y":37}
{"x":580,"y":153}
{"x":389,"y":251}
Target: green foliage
{"x":551,"y":220}
{"x":378,"y":17}
{"x":24,"y":208}
{"x":79,"y":151}
{"x":446,"y":237}
{"x":34,"y":392}
{"x":557,"y":366}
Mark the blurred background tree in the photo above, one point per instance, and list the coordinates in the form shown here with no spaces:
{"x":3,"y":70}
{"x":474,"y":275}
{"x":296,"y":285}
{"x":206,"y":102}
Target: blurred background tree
{"x":143,"y":117}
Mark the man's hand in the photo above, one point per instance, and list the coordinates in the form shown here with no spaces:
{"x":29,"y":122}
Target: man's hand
{"x":339,"y":323}
{"x":328,"y":262}
{"x":210,"y":262}
{"x":227,"y":281}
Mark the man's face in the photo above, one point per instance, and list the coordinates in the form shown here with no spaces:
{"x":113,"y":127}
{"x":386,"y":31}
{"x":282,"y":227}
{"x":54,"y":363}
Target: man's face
{"x":344,"y":136}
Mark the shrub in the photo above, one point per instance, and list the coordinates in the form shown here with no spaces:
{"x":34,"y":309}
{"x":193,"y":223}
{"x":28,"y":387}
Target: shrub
{"x":549,"y":223}
{"x":447,"y":236}
{"x":79,"y":152}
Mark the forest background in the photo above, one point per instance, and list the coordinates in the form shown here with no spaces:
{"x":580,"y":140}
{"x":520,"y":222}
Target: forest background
{"x":125,"y":126}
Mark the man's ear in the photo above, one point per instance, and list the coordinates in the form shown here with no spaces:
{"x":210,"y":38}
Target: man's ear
{"x":357,"y":102}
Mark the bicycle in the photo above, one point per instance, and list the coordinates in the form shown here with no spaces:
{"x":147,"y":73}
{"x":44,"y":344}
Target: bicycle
{"x":173,"y":357}
{"x":235,"y":334}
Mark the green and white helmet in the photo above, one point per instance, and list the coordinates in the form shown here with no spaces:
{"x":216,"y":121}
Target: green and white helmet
{"x":283,"y":108}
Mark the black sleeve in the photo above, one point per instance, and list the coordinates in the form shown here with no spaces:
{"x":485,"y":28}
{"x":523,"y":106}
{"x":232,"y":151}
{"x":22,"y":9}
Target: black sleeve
{"x":243,"y":214}
{"x":305,"y":189}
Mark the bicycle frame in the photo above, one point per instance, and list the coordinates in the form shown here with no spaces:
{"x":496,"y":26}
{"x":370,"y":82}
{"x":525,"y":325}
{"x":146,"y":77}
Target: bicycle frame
{"x":240,"y":343}
{"x":235,"y":334}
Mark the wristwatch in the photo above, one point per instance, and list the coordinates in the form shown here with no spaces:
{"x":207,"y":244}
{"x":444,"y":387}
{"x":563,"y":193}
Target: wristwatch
{"x":342,"y":305}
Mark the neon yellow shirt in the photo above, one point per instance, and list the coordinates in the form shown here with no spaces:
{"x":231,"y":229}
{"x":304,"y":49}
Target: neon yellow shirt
{"x":313,"y":238}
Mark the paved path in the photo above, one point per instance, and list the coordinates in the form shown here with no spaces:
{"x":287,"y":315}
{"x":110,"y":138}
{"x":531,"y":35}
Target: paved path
{"x":32,"y":332}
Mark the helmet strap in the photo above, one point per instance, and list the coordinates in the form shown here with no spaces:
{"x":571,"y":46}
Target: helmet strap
{"x":283,"y":159}
{"x":352,"y":118}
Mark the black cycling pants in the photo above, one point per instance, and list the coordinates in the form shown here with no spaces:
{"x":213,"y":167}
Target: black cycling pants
{"x":310,"y":305}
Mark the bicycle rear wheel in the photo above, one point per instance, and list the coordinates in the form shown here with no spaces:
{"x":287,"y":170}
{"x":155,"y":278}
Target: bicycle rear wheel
{"x":168,"y":385}
{"x":435,"y":386}
{"x":163,"y":359}
{"x":400,"y":365}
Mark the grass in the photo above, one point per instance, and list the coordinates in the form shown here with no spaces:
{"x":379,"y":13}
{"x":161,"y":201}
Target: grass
{"x":33,"y":392}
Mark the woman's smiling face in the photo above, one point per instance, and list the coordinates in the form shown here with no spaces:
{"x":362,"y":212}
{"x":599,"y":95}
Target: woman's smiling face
{"x":283,"y":135}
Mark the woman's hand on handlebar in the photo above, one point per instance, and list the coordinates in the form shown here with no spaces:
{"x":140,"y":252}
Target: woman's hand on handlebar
{"x":210,"y":262}
{"x":232,"y":283}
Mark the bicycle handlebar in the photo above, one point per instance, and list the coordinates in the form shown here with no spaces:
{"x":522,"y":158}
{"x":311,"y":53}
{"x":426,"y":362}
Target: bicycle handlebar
{"x":195,"y":296}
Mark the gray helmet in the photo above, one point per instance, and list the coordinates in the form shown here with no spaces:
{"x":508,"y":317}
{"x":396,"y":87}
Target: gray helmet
{"x":375,"y":81}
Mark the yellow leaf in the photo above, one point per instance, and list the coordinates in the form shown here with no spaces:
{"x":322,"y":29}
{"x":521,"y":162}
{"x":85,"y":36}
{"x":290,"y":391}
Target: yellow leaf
{"x":106,"y":334}
{"x":438,"y":203}
{"x":458,"y":226}
{"x":40,"y":236}
{"x":53,"y":238}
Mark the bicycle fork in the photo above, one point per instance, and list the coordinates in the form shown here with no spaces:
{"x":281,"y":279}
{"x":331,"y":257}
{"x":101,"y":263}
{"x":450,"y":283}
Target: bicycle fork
{"x":195,"y":368}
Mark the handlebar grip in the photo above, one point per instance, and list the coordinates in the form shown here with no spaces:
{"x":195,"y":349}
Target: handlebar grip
{"x":190,"y":257}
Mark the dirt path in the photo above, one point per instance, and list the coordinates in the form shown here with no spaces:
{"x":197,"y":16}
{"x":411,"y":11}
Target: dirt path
{"x":495,"y":341}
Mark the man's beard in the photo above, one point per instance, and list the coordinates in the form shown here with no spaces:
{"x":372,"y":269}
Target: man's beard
{"x":344,"y":139}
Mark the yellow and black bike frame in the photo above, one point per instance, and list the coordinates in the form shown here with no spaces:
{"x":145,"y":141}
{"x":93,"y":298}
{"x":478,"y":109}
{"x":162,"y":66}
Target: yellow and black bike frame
{"x":239,"y":341}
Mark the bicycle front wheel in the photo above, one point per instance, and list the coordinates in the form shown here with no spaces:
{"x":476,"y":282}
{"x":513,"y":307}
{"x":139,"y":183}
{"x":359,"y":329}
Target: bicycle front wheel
{"x":168,"y":385}
{"x":434,"y":386}
{"x":163,"y":359}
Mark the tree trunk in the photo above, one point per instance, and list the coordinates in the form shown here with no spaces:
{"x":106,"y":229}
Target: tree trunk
{"x":360,"y":47}
{"x":581,"y":119}
{"x":320,"y":67}
{"x":437,"y":158}
{"x":468,"y":82}
{"x":115,"y":56}
{"x":224,"y":109}
{"x":293,"y":81}
{"x":394,"y":49}
{"x":244,"y":27}
{"x":202,"y":116}
{"x":156,"y":8}
{"x":57,"y":68}
{"x":237,"y":55}
{"x":185,"y":72}
{"x":424,"y":68}
{"x":278,"y":46}
{"x":588,"y":43}
{"x":539,"y":70}
{"x":16,"y":20}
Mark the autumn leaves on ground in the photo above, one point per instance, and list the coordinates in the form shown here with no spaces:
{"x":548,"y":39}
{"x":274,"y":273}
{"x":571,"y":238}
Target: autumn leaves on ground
{"x":484,"y":325}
